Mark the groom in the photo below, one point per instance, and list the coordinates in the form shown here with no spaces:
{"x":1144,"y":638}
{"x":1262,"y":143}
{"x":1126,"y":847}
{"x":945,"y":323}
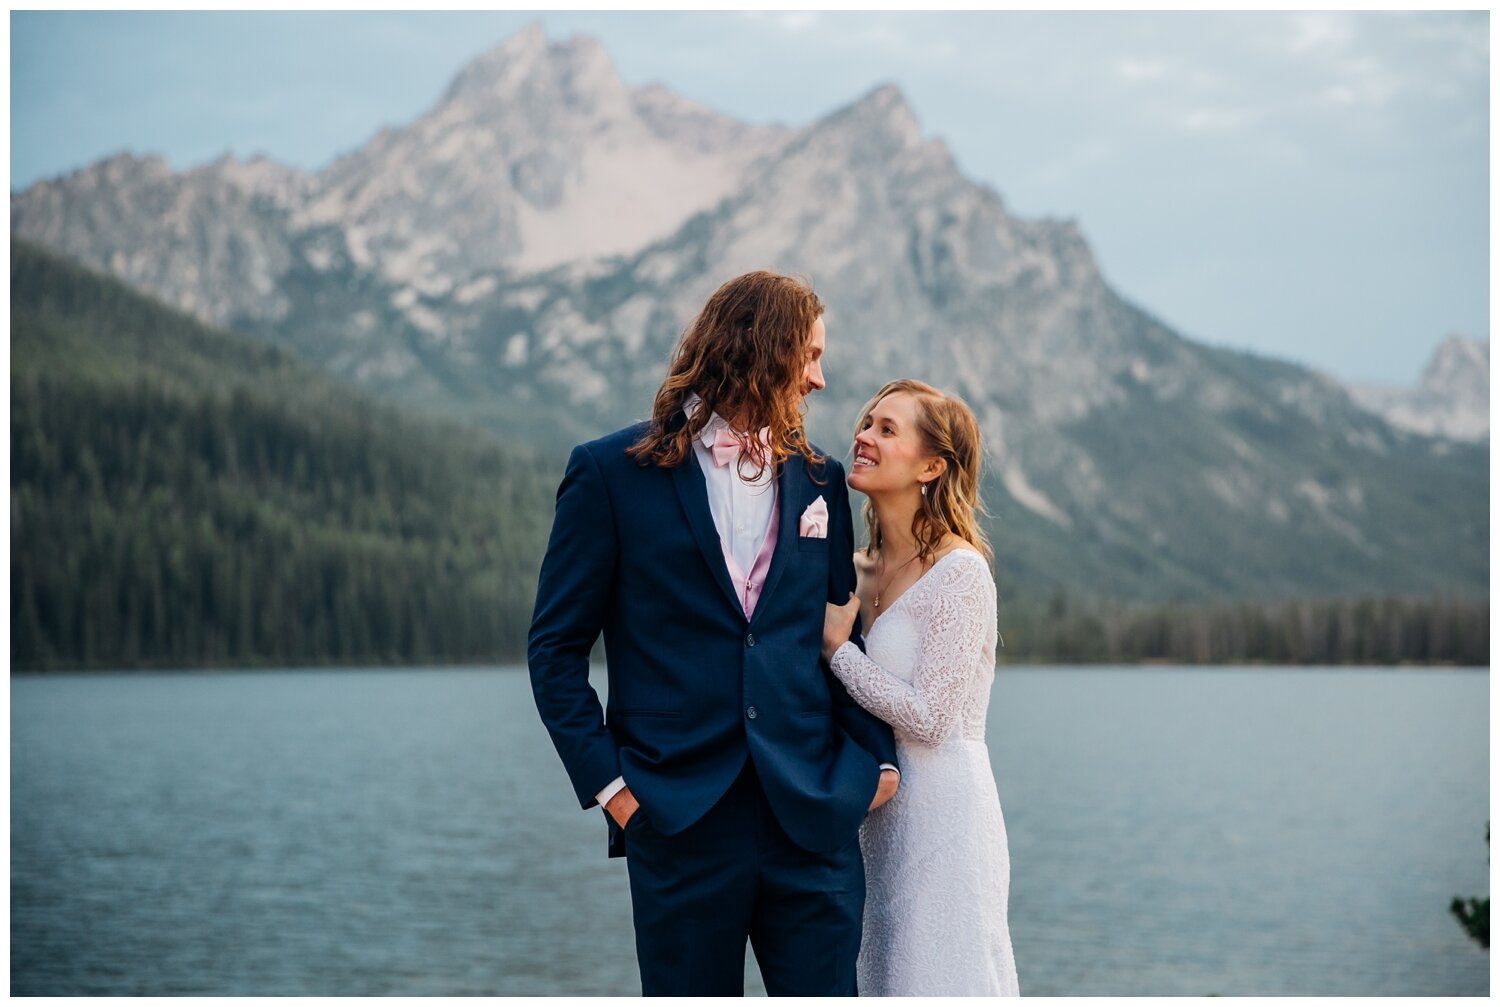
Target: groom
{"x":733,"y":768}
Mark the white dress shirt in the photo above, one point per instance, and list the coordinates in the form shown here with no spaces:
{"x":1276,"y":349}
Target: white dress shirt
{"x":741,"y":500}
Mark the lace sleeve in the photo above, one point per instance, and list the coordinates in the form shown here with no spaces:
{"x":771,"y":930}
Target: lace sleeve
{"x":960,"y":616}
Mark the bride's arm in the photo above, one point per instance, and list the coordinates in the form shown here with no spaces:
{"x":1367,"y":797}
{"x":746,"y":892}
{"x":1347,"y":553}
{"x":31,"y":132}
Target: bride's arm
{"x":959,"y":618}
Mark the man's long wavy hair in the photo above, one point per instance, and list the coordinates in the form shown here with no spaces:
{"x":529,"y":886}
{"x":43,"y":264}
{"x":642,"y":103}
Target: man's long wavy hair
{"x":745,"y":356}
{"x":948,"y":430}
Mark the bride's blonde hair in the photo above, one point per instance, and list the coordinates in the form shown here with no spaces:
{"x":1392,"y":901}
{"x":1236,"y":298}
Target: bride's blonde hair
{"x":949,"y":431}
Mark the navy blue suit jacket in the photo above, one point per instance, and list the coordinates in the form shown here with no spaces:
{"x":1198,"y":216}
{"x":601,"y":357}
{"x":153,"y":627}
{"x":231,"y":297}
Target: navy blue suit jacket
{"x":694,"y":688}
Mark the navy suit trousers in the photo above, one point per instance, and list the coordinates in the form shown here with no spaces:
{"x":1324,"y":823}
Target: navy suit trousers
{"x":699,"y":894}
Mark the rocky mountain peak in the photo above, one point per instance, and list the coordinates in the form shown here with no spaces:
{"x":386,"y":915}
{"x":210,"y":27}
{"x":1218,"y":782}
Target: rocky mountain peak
{"x":881,"y":123}
{"x":257,"y":175}
{"x":491,"y":69}
{"x":537,"y":155}
{"x":124,"y":168}
{"x":1459,"y":363}
{"x":1451,"y":400}
{"x":528,"y":68}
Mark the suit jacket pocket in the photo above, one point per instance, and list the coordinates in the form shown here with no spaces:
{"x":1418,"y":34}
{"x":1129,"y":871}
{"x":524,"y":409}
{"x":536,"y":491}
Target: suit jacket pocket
{"x":807,"y":543}
{"x":648,"y":713}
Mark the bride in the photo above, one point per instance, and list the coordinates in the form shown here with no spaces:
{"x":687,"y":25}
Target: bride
{"x":936,"y":861}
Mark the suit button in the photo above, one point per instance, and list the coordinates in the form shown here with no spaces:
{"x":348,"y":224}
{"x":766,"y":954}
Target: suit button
{"x":750,"y":640}
{"x":752,"y":713}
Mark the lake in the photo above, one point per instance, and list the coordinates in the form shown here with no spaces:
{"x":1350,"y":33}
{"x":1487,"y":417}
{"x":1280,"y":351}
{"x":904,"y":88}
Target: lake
{"x":1247,"y":831}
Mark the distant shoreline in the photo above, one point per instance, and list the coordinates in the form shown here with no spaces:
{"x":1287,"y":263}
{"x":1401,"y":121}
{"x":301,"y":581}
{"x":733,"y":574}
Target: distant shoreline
{"x":521,"y":666}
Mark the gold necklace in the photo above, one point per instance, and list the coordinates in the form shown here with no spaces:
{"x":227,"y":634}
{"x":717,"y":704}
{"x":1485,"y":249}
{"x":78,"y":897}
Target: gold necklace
{"x":881,"y":576}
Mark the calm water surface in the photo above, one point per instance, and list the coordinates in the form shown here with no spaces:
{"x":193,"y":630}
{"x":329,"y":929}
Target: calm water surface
{"x":367,"y":832}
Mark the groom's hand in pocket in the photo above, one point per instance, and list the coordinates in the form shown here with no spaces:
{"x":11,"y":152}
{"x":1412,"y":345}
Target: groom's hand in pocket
{"x":889,"y":781}
{"x":623,"y":806}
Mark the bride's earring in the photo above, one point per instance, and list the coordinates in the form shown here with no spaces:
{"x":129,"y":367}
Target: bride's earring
{"x":924,"y":489}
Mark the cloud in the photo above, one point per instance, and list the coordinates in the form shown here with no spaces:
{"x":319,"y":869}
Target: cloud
{"x":1320,"y":32}
{"x":1133,"y":69}
{"x":1375,"y":58}
{"x":1205,"y":118}
{"x":885,"y":34}
{"x":882,"y":32}
{"x":794,"y":21}
{"x":1339,"y":94}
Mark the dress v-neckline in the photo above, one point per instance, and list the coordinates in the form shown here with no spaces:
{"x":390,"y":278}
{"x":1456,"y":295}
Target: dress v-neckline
{"x":874,"y":622}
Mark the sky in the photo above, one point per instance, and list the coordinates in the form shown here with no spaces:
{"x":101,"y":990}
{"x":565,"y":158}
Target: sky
{"x":1312,"y":186}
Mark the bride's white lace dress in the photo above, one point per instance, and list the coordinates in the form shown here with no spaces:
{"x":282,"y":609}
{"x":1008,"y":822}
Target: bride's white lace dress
{"x":936,"y":860}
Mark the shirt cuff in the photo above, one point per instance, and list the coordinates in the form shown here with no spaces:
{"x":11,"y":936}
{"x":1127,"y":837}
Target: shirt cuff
{"x":610,"y":790}
{"x":887,"y":765}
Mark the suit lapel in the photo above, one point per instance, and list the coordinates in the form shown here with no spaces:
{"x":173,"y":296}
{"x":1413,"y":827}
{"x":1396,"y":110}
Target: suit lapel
{"x":788,"y":495}
{"x":693,"y":492}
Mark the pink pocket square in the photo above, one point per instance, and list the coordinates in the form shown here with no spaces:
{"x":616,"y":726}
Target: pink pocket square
{"x":815,"y":520}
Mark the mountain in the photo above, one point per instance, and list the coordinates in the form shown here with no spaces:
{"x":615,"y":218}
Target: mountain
{"x":184,"y":496}
{"x":212,"y":241}
{"x":536,"y":155}
{"x":1451,"y":400}
{"x":1125,"y":460}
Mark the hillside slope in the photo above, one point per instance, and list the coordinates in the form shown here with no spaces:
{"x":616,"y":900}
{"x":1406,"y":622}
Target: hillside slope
{"x":184,"y":496}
